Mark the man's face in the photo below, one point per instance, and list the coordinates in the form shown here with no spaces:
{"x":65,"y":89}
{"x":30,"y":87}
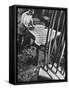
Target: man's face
{"x":31,"y":12}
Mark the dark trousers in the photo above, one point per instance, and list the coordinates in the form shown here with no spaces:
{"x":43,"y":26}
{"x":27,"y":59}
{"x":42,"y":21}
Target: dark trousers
{"x":27,"y":38}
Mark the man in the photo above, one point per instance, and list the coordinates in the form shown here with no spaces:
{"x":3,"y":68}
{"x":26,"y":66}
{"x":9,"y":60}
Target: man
{"x":27,"y":22}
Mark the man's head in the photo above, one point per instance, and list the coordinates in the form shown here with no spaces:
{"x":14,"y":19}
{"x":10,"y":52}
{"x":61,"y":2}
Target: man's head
{"x":31,"y":11}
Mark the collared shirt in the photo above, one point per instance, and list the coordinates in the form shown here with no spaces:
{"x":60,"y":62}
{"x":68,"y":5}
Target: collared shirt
{"x":26,"y":18}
